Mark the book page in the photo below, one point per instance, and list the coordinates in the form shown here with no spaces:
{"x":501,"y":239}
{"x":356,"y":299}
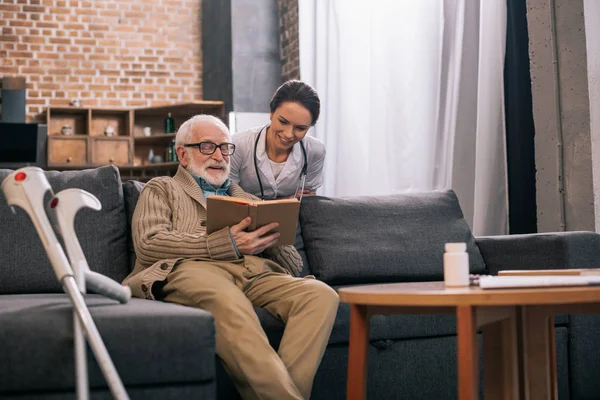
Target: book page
{"x":284,"y":212}
{"x":230,"y":199}
{"x":222,"y":212}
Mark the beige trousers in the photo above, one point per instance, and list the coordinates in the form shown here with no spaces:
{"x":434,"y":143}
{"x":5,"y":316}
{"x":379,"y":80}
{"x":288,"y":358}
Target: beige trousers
{"x":229,"y":290}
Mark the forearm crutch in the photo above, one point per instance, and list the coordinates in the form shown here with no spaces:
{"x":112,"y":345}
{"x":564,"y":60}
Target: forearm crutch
{"x":29,"y":189}
{"x":63,"y":207}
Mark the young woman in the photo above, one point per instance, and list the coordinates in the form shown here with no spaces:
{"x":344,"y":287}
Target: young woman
{"x":279,"y":159}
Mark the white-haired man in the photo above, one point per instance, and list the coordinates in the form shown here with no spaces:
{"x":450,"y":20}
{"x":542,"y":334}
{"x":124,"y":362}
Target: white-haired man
{"x":229,"y":271}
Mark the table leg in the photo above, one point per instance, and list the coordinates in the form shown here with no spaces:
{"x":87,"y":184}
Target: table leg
{"x":468,"y":365}
{"x":358,"y":353}
{"x":500,"y":359}
{"x":539,"y":354}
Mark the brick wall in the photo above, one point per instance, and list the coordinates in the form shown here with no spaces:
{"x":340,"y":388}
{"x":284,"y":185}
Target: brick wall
{"x":288,"y":27}
{"x":110,"y":53}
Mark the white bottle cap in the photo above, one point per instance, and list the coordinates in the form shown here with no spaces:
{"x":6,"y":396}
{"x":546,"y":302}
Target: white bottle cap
{"x":455,"y":247}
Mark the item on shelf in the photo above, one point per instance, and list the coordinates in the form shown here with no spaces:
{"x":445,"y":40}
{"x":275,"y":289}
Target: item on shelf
{"x":151,"y":156}
{"x":173,"y":152}
{"x":75,"y":103}
{"x":66,"y":130}
{"x":109,"y":130}
{"x":147,"y":131}
{"x":169,"y":124}
{"x":157,"y":159}
{"x":169,"y":154}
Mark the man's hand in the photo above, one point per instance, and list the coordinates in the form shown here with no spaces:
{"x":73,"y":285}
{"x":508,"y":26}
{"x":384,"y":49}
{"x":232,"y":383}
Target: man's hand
{"x":256,"y":241}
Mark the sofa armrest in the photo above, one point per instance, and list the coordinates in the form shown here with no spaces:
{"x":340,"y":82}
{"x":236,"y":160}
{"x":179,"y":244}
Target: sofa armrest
{"x":556,"y":250}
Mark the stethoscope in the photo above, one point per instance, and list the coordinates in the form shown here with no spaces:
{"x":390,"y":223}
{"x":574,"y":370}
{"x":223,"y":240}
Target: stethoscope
{"x":303,"y":172}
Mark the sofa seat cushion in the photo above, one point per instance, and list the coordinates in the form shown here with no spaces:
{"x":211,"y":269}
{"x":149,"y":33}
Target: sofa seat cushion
{"x":25,"y":267}
{"x":150,"y":342}
{"x":395,"y":238}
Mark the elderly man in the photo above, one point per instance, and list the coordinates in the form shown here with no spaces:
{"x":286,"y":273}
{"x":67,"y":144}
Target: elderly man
{"x":229,"y":271}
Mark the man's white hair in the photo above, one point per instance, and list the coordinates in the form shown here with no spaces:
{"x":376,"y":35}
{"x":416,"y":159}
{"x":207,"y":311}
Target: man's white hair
{"x":185,"y":130}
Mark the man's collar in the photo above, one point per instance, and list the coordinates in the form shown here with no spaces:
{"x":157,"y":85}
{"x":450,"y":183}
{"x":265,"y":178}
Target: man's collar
{"x":208,"y":189}
{"x":189,"y":184}
{"x":191,"y":187}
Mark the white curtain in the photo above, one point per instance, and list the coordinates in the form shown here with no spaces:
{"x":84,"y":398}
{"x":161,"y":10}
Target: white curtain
{"x":412,"y":99}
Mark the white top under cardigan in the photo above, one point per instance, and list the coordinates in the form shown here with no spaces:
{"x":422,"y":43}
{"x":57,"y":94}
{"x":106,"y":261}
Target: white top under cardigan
{"x":244,"y":173}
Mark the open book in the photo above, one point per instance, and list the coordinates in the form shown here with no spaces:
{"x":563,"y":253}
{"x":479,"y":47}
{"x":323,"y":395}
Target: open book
{"x":225,"y":211}
{"x":531,"y":281}
{"x":551,"y":272}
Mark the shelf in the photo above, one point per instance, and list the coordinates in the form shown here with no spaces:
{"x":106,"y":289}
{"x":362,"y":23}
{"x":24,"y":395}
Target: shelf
{"x":76,"y":118}
{"x":67,"y":167}
{"x":159,"y":138}
{"x":77,"y":136}
{"x":102,"y":110}
{"x":119,"y":120}
{"x":162,"y":165}
{"x":207,"y":107}
{"x":128,"y":148}
{"x":112,"y":138}
{"x":70,"y":110}
{"x":144,"y":173}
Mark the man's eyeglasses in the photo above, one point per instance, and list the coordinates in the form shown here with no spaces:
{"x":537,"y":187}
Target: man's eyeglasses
{"x":209,"y":148}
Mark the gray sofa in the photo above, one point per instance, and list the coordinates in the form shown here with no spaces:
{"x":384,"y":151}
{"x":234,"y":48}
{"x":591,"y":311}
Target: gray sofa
{"x":162,"y":351}
{"x":165,"y":351}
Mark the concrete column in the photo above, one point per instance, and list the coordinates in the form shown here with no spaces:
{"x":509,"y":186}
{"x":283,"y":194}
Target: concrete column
{"x":241,"y":61}
{"x":561,"y":115}
{"x":592,"y":30}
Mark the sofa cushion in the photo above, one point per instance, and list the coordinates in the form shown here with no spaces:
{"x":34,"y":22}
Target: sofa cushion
{"x":393,"y":238}
{"x":150,"y":342}
{"x":299,"y":245}
{"x":131,"y":193}
{"x":24,"y":266}
{"x":553,"y":250}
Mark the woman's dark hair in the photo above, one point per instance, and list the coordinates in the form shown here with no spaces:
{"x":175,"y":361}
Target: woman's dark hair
{"x":297,"y":92}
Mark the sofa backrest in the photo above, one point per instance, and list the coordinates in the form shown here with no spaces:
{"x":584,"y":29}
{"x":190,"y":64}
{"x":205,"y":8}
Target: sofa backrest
{"x":372,"y":239}
{"x":131,"y":194}
{"x":24,"y":265}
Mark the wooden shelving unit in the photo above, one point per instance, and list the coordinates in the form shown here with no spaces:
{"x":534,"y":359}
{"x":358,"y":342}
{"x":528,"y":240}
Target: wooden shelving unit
{"x":144,"y":173}
{"x":127,"y":148}
{"x":154,"y":139}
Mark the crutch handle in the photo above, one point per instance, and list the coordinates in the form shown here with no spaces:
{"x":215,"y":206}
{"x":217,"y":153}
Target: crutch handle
{"x":105,"y":286}
{"x":63,"y":208}
{"x":27,"y":187}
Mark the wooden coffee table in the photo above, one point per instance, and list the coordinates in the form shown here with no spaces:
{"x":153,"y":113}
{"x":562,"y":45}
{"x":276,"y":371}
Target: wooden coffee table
{"x":517,"y":327}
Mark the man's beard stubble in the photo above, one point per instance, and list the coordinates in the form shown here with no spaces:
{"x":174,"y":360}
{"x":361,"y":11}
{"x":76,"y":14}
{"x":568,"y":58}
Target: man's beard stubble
{"x":215,"y":177}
